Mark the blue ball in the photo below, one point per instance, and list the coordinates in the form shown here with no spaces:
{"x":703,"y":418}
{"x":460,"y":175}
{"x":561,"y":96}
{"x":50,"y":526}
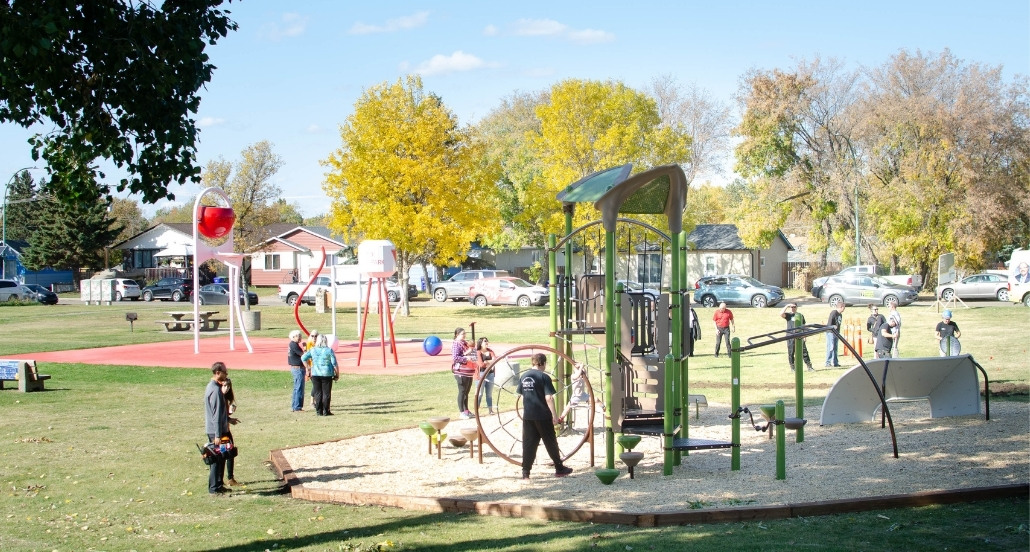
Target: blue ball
{"x":432,"y":345}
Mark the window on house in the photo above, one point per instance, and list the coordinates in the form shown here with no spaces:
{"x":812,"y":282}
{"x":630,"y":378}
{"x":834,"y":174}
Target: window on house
{"x":710,"y":265}
{"x":761,"y":261}
{"x":649,"y":269}
{"x":271,"y":261}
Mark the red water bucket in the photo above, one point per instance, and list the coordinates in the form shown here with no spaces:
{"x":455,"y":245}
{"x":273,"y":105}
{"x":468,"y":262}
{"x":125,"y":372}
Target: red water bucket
{"x":215,"y":222}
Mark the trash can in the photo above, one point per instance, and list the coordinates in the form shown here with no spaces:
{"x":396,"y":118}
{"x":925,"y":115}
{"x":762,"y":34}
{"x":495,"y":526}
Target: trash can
{"x":251,"y":320}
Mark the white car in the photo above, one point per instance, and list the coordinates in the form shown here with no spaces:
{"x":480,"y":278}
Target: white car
{"x":977,"y":286}
{"x":125,"y":288}
{"x":13,"y":291}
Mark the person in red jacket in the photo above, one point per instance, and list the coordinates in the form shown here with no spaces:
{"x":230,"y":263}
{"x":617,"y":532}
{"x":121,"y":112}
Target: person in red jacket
{"x":723,"y":318}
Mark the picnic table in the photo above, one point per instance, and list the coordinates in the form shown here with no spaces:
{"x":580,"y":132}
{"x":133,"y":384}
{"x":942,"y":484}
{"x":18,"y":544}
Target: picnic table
{"x":183,"y":320}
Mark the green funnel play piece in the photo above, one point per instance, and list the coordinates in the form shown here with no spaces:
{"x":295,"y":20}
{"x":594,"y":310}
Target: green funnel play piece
{"x":769,"y":411}
{"x":607,"y":475}
{"x":629,"y":441}
{"x":427,"y":428}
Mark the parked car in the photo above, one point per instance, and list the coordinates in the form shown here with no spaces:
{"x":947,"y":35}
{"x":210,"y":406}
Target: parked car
{"x":42,"y":294}
{"x":736,"y":289}
{"x":218,"y":294}
{"x":125,"y":288}
{"x":13,"y":291}
{"x":506,"y":290}
{"x":347,"y":290}
{"x":637,"y":287}
{"x":457,"y":287}
{"x":912,"y":280}
{"x":977,"y":286}
{"x":865,"y":289}
{"x":176,"y":289}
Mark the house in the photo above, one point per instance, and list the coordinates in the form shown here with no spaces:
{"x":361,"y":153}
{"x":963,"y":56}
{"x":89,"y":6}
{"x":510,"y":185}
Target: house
{"x":292,"y":254}
{"x":171,"y":240}
{"x":718,"y":249}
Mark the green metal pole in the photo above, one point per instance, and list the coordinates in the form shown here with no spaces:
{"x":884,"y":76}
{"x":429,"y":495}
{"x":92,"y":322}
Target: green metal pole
{"x":685,"y":307}
{"x":552,"y":293}
{"x":781,"y":443}
{"x":735,"y":403}
{"x":569,"y":210}
{"x":799,"y":376}
{"x":609,"y":347}
{"x":676,"y":400}
{"x":667,"y":418}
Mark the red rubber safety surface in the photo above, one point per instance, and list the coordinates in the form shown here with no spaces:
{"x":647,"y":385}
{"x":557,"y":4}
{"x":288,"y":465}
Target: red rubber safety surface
{"x":269,"y":354}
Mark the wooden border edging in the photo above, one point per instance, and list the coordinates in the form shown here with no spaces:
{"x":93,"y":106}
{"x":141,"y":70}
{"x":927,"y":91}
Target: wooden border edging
{"x":640,"y":519}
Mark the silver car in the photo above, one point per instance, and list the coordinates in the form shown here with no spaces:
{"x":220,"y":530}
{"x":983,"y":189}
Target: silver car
{"x":977,"y":286}
{"x":457,"y":287}
{"x":13,"y":291}
{"x":736,"y":289}
{"x":865,"y":289}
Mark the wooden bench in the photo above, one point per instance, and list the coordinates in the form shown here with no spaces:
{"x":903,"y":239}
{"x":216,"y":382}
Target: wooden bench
{"x":24,"y":372}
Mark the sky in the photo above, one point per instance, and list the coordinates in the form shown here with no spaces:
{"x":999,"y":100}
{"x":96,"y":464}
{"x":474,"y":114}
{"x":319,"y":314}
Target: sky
{"x":293,"y":71}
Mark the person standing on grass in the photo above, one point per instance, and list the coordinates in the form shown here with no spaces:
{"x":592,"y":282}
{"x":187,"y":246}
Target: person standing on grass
{"x":873,"y":323}
{"x":230,"y":404}
{"x":463,"y":369}
{"x":885,"y":337}
{"x":539,"y":417}
{"x":484,"y":356}
{"x":834,"y":321}
{"x":310,"y":344}
{"x":790,"y":310}
{"x":892,"y":312}
{"x":723,"y":318}
{"x":946,"y":330}
{"x":323,"y":372}
{"x":216,"y":424}
{"x":297,"y":369}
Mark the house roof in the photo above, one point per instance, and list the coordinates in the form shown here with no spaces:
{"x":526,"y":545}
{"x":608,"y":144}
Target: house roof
{"x":726,"y":237}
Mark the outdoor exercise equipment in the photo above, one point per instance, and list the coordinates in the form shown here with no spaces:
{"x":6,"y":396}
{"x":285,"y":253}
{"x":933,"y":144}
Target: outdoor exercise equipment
{"x":213,"y":239}
{"x":502,"y":431}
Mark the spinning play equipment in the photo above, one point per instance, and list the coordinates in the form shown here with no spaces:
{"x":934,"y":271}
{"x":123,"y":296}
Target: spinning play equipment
{"x":213,"y":239}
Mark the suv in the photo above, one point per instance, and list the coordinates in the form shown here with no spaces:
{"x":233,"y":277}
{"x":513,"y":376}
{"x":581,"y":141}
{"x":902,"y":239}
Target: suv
{"x":13,"y":291}
{"x":457,"y":287}
{"x":735,"y":289}
{"x":865,"y":289}
{"x":125,"y":288}
{"x":176,"y":289}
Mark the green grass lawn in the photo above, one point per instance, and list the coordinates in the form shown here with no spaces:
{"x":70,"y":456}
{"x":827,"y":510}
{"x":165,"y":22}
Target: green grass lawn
{"x":105,"y":459}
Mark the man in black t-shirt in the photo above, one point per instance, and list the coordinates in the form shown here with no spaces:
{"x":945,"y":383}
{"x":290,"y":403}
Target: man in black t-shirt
{"x":885,"y":338}
{"x":835,"y":320}
{"x":539,"y":417}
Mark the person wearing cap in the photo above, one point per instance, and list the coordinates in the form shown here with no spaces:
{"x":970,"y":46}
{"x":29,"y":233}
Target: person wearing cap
{"x":216,"y":423}
{"x":788,"y":313}
{"x":885,"y":338}
{"x":947,"y":329}
{"x":873,"y":323}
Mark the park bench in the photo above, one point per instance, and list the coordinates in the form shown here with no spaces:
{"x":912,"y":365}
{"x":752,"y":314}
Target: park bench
{"x":24,"y":372}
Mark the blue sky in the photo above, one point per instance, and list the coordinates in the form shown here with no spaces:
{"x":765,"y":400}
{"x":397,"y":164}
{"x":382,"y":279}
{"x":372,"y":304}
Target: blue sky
{"x":293,"y":70}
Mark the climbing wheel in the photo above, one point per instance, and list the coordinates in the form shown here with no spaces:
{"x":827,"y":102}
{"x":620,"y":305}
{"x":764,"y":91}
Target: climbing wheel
{"x":502,"y":430}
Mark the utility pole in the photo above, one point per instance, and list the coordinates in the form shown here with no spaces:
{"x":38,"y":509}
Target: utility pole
{"x":858,"y":232}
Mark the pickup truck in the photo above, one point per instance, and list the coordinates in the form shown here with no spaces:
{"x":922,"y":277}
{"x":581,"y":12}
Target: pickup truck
{"x":912,"y":280}
{"x":346,"y":292}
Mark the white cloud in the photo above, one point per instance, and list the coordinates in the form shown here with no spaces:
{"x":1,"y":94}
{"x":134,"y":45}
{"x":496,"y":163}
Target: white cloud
{"x":207,"y":122}
{"x":392,"y":25}
{"x":539,"y":27}
{"x":456,"y":62}
{"x":491,"y":30}
{"x":292,"y":25}
{"x":552,"y":28}
{"x":314,"y":129}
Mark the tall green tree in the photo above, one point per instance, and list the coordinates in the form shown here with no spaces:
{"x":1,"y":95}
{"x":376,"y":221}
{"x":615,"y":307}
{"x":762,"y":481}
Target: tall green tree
{"x":21,"y":216}
{"x":408,"y":173}
{"x":109,"y":79}
{"x":71,"y":235}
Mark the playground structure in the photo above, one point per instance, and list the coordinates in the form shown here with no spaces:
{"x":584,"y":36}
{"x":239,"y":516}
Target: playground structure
{"x":213,"y":239}
{"x":644,"y":366}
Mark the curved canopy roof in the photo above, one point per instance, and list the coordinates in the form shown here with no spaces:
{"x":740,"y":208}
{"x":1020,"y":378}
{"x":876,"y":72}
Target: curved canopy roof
{"x":661,"y":190}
